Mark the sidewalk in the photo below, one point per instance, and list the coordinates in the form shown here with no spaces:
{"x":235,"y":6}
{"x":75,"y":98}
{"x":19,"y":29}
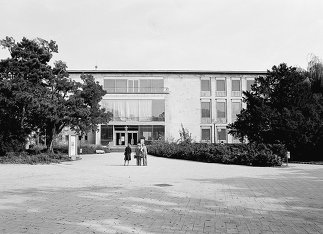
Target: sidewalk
{"x":99,"y":195}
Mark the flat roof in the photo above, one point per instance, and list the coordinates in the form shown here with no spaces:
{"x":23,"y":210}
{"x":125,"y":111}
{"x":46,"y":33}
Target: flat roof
{"x":169,"y":72}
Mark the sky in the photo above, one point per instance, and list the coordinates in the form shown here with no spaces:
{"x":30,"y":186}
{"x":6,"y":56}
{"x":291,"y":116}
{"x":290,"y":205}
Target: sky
{"x":219,"y":35}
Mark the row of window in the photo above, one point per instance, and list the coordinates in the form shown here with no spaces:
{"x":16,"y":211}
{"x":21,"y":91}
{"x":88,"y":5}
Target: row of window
{"x":220,"y":134}
{"x":221,"y":111}
{"x":148,"y":132}
{"x":134,"y":85}
{"x":221,"y":87}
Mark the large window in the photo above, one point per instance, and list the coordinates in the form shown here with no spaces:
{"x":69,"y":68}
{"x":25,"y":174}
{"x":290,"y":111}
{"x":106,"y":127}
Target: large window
{"x":236,"y":108}
{"x":136,"y":110}
{"x":206,"y":134}
{"x":221,"y":111}
{"x":109,"y":85}
{"x":158,"y":110}
{"x":106,"y":134}
{"x":152,"y":132}
{"x":206,"y":112}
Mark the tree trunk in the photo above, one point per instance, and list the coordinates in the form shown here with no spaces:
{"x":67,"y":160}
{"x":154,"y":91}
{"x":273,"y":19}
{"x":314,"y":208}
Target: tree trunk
{"x":51,"y":134}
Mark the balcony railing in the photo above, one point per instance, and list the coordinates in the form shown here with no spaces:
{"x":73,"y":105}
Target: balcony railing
{"x":206,"y":120}
{"x":138,"y":119}
{"x":236,"y":93}
{"x":205,"y":93}
{"x":138,"y":90}
{"x":220,"y":93}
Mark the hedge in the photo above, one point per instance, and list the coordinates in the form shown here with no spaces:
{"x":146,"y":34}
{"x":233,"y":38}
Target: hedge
{"x":242,"y":154}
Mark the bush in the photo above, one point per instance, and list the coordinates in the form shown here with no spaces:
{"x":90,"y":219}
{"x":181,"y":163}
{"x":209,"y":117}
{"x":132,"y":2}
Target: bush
{"x":25,"y":158}
{"x":91,"y":148}
{"x":243,"y":154}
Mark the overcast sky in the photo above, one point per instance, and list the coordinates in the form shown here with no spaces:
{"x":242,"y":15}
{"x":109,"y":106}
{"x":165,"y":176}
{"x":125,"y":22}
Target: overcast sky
{"x":170,"y":34}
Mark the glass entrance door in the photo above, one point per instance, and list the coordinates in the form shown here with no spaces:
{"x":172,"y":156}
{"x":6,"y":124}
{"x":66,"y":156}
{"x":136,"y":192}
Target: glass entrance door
{"x":132,"y":138}
{"x":120,"y":138}
{"x":125,"y":138}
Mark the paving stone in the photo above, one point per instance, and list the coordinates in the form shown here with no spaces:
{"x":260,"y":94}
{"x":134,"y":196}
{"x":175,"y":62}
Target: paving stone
{"x":99,"y":195}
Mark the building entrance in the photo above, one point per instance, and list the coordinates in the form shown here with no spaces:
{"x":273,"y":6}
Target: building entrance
{"x":126,"y":137}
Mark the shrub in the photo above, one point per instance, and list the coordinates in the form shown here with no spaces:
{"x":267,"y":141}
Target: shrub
{"x":25,"y":158}
{"x":243,"y":154}
{"x":91,"y":148}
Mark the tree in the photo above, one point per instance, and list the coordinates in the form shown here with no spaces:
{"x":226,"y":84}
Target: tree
{"x":315,"y":71}
{"x":282,"y":108}
{"x":38,"y":97}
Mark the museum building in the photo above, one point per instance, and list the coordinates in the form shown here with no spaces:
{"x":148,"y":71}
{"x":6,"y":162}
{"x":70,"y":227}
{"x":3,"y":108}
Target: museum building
{"x":156,"y":104}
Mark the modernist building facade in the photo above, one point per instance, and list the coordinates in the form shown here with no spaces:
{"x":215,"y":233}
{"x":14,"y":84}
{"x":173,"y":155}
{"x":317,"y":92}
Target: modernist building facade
{"x":155,"y":104}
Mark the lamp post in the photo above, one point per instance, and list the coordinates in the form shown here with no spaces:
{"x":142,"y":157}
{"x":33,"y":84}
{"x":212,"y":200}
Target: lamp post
{"x":126,"y":137}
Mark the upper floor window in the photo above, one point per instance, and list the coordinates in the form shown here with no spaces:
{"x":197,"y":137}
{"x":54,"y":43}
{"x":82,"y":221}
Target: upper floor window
{"x":236,"y":109}
{"x":249,"y":83}
{"x":205,"y":87}
{"x":206,"y":112}
{"x":221,"y":111}
{"x":220,"y":87}
{"x":121,"y":86}
{"x":236,"y":87}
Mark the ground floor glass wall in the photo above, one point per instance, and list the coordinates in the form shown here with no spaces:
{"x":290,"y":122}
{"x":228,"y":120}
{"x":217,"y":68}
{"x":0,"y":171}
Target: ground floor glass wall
{"x":115,"y":135}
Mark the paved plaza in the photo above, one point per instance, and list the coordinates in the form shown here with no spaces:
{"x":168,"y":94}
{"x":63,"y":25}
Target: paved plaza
{"x":99,"y":195}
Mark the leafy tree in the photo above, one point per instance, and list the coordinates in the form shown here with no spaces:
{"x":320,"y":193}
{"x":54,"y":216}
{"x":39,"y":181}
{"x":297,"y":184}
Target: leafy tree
{"x":282,"y":108}
{"x":37,"y":97}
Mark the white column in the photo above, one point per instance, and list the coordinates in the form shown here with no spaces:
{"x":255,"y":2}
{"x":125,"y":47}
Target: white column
{"x":98,"y":136}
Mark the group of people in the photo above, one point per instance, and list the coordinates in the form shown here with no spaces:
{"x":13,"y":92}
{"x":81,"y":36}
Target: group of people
{"x":140,"y":155}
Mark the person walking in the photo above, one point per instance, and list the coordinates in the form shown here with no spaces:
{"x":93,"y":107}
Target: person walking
{"x":138,"y":154}
{"x":144,"y":155}
{"x":127,"y":154}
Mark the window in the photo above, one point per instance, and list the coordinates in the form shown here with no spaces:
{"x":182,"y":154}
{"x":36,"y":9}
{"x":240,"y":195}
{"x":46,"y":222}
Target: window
{"x":236,"y":88}
{"x":205,"y":87}
{"x":135,"y":86}
{"x":145,"y":86}
{"x":158,"y":110}
{"x":158,"y":132}
{"x":249,"y":83}
{"x":109,"y":85}
{"x":130,"y":86}
{"x":236,"y":108}
{"x":157,"y":85}
{"x":106,"y":134}
{"x":220,"y":88}
{"x":221,"y":112}
{"x":121,"y":86}
{"x":206,"y":112}
{"x":235,"y":85}
{"x":221,"y":135}
{"x":206,"y":134}
{"x":146,"y":132}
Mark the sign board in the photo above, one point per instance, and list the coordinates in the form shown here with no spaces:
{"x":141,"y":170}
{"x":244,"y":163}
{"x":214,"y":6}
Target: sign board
{"x":72,"y":146}
{"x":288,"y":154}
